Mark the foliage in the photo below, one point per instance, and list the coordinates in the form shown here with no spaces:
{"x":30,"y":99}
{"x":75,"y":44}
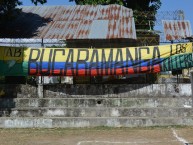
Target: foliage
{"x":39,"y":1}
{"x":8,"y":8}
{"x":97,"y":2}
{"x":145,"y":5}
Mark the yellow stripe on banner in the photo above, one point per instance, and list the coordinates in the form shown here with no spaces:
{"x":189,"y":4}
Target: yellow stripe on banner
{"x":78,"y":54}
{"x":1,"y":53}
{"x":12,"y":53}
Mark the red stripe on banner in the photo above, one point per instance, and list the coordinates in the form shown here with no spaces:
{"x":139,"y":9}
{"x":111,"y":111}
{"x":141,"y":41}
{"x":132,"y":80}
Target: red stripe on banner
{"x":156,"y":69}
{"x":95,"y":72}
{"x":144,"y":69}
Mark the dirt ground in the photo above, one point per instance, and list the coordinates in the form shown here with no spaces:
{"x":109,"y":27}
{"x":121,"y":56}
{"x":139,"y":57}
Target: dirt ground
{"x":98,"y":136}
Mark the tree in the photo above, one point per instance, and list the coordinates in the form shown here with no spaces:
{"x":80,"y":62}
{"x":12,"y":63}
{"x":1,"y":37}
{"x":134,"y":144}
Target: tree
{"x":97,"y":2}
{"x":8,"y":8}
{"x":145,"y":5}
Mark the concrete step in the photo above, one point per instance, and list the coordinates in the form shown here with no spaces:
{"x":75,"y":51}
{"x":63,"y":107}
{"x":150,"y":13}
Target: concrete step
{"x":97,"y":112}
{"x":97,"y":102}
{"x":62,"y":122}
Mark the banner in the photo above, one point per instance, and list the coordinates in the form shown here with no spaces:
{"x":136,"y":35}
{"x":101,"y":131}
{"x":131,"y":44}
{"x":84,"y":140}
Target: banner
{"x":20,"y":61}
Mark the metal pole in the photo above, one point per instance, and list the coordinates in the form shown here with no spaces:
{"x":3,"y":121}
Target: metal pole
{"x":42,"y":44}
{"x":191,"y":79}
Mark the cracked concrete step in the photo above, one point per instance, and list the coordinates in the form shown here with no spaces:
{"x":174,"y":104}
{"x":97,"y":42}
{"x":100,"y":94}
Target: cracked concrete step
{"x":54,"y":122}
{"x":95,"y":102}
{"x":97,"y":112}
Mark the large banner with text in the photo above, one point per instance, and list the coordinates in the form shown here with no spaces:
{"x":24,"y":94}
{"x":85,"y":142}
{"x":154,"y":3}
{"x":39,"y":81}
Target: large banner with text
{"x":19,"y":61}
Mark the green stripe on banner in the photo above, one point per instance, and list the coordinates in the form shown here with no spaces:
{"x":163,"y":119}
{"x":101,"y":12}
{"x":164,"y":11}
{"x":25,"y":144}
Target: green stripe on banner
{"x":10,"y":68}
{"x":177,"y":62}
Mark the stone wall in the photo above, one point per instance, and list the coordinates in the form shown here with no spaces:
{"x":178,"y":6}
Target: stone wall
{"x":119,"y":91}
{"x":94,"y":91}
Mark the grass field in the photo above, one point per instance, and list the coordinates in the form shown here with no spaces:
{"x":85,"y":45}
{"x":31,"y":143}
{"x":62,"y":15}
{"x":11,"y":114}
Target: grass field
{"x":98,"y":136}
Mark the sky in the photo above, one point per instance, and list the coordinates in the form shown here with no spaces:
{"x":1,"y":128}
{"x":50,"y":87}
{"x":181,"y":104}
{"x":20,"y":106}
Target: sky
{"x":167,"y":5}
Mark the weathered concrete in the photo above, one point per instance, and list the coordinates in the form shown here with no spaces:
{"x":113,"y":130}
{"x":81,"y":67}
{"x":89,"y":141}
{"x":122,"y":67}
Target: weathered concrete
{"x":40,"y":91}
{"x":95,"y":102}
{"x":119,"y":91}
{"x":96,"y":105}
{"x":91,"y":122}
{"x":98,"y":112}
{"x":102,"y":91}
{"x":18,"y":91}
